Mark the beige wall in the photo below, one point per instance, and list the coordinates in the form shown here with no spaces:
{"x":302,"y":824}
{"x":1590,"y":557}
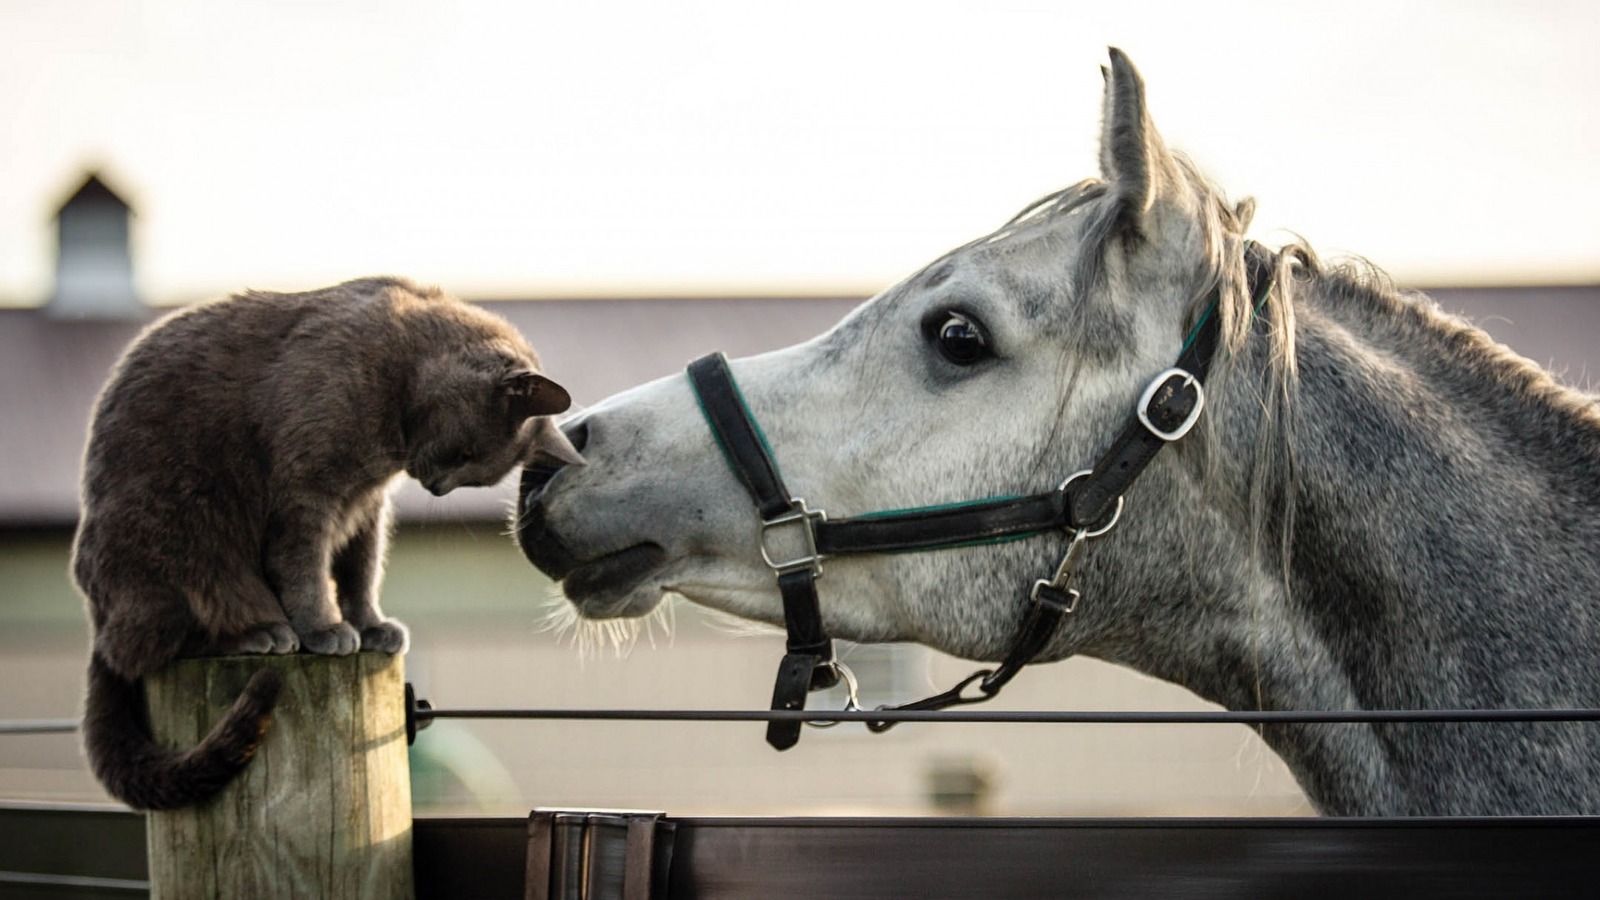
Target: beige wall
{"x":475,"y":608}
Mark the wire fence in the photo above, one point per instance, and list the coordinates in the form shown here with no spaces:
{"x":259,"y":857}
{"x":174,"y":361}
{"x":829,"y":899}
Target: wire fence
{"x":38,"y":726}
{"x":1010,"y":717}
{"x":1075,"y":717}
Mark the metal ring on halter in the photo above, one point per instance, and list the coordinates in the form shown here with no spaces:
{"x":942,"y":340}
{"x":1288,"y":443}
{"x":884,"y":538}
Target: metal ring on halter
{"x":1115,"y":514}
{"x":852,"y":702}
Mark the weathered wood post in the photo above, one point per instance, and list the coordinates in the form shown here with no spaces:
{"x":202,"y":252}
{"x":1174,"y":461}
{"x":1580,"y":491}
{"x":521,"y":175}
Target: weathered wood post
{"x":324,"y":810}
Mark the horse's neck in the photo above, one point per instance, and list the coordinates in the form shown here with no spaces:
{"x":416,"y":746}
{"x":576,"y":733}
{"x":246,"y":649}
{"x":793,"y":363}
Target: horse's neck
{"x":1445,"y":507}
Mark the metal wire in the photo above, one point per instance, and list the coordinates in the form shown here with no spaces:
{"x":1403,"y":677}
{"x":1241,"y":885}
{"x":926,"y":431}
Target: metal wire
{"x":39,"y":726}
{"x":1004,"y":717}
{"x":1081,"y":717}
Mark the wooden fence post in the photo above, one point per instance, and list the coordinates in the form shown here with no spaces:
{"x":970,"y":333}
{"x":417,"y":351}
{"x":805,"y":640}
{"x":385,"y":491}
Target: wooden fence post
{"x":324,"y":810}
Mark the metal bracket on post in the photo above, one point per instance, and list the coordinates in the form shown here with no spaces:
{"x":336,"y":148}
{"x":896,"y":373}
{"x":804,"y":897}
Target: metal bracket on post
{"x":417,"y":717}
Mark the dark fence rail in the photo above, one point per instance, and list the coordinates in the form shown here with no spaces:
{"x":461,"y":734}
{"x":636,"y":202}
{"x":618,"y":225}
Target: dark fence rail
{"x":1080,"y":717}
{"x":63,"y":851}
{"x":60,"y":851}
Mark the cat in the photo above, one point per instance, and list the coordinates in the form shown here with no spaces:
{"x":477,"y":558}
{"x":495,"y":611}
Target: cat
{"x":235,"y":493}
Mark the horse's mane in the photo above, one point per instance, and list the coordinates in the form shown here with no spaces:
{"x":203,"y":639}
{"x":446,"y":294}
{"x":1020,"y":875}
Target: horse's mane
{"x":1356,"y":282}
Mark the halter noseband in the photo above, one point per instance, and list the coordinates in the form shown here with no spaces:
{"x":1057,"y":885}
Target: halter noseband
{"x":1086,"y":505}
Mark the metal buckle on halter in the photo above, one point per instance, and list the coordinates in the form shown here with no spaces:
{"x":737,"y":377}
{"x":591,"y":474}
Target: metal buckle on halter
{"x":805,"y":517}
{"x":1063,"y":577}
{"x":1149,"y":396}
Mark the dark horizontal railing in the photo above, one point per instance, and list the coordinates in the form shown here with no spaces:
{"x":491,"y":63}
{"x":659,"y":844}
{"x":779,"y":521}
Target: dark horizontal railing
{"x":1058,"y":717}
{"x":84,"y":852}
{"x":422,"y":715}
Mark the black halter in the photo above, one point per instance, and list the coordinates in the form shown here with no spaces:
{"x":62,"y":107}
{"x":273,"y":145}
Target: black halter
{"x":1086,"y":505}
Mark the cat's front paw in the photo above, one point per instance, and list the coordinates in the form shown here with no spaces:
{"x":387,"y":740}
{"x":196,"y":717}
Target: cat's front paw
{"x":275,"y":638}
{"x":387,"y":636}
{"x":338,"y":639}
{"x":280,"y":638}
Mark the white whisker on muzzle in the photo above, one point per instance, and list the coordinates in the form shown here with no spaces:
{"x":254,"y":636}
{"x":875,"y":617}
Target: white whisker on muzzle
{"x":590,"y":636}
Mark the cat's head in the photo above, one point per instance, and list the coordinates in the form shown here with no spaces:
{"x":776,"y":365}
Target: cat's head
{"x":472,"y":417}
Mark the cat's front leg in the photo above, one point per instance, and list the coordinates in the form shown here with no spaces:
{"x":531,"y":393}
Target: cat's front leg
{"x":296,"y":556}
{"x":357,"y":574}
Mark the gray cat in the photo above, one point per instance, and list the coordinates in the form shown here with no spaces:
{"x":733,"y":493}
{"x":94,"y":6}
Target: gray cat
{"x":235,"y":493}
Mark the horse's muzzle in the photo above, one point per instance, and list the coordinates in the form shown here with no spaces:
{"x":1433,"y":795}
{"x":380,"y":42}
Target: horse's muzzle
{"x":584,"y":579}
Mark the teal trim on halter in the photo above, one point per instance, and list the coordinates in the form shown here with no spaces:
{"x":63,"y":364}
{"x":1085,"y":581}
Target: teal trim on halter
{"x":981,"y":542}
{"x":749,"y":416}
{"x":937,"y":507}
{"x":1194,"y":332}
{"x":961,"y":504}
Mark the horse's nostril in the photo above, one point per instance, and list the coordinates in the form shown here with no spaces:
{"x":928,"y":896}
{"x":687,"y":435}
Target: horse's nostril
{"x":536,"y":476}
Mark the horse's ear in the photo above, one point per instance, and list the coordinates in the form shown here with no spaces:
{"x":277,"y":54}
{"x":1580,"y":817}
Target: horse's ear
{"x":1133,"y":159}
{"x":532,"y":394}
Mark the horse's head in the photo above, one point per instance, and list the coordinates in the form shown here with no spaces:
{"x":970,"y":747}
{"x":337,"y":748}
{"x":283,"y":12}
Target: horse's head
{"x":1000,"y":368}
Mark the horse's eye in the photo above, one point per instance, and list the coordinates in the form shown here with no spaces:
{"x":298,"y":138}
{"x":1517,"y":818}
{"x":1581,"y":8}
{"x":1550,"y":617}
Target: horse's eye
{"x":961,"y":340}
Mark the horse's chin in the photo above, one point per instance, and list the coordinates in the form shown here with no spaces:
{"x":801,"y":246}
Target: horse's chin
{"x":633,"y":606}
{"x":618,"y":585}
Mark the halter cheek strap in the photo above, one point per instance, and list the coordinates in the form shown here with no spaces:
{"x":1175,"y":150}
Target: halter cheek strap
{"x":1086,"y":505}
{"x":808,"y":658}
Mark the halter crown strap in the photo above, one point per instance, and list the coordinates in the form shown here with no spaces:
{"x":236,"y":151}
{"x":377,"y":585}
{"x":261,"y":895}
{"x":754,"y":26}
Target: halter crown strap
{"x":1169,"y":407}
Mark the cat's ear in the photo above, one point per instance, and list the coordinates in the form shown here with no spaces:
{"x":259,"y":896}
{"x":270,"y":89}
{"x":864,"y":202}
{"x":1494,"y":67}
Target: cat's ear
{"x":532,"y":394}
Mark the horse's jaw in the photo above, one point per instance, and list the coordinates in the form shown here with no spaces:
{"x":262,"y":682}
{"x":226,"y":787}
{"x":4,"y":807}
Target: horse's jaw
{"x":632,"y":583}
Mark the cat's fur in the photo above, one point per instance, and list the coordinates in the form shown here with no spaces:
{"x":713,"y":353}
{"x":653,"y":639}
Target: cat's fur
{"x":235,"y":493}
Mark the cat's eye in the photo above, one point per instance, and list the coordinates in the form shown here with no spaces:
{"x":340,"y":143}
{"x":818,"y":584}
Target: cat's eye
{"x":467,"y":455}
{"x":960,"y":339}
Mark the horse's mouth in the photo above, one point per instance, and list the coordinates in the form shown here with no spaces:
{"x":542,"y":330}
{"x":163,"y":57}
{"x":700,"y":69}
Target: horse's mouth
{"x":606,"y":587}
{"x":601,"y":587}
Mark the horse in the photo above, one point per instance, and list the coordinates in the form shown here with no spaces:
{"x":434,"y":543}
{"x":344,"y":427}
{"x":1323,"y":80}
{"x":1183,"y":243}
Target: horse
{"x":1380,"y":508}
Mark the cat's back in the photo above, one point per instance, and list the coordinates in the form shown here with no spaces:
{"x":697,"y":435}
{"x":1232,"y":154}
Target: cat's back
{"x":253,"y":328}
{"x":217,"y":353}
{"x":192,"y":391}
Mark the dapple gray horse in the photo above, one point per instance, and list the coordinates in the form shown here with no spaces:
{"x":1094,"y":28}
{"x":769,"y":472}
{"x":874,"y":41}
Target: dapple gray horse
{"x":1380,"y":509}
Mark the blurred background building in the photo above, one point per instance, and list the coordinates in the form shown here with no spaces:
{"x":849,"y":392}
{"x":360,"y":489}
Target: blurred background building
{"x":633,"y":188}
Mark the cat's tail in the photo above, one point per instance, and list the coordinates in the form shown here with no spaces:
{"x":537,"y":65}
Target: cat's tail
{"x":140,"y":772}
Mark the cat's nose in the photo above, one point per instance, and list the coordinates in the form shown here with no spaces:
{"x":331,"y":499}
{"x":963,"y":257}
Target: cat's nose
{"x":438,"y":487}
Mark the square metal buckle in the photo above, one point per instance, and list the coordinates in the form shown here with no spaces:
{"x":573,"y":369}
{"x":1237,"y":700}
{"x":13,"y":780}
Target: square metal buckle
{"x":1149,"y":396}
{"x":801,"y":515}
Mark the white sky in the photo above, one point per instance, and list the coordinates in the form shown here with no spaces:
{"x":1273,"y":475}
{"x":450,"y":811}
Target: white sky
{"x":584,"y":148}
